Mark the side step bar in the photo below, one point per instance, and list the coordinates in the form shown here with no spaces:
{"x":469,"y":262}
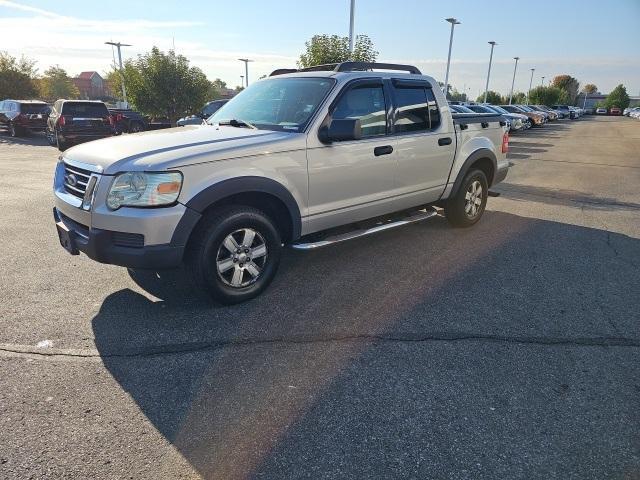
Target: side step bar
{"x":331,"y":239}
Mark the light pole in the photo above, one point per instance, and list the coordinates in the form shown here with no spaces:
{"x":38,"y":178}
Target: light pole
{"x":453,"y":23}
{"x":242,"y":80}
{"x":124,"y":90}
{"x":542,"y":84}
{"x":486,"y":88}
{"x":351,"y":24}
{"x":530,"y":83}
{"x":584,"y":105}
{"x":514,"y":78}
{"x":246,"y":69}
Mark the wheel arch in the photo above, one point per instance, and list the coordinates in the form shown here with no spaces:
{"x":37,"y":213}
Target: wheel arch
{"x":259,"y":192}
{"x":484,"y":159}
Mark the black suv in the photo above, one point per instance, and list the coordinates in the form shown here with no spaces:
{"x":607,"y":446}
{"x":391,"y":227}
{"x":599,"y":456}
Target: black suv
{"x":19,"y":117}
{"x":77,"y":121}
{"x":209,"y":109}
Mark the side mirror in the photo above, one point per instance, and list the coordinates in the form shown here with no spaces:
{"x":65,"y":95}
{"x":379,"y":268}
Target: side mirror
{"x":341,"y":130}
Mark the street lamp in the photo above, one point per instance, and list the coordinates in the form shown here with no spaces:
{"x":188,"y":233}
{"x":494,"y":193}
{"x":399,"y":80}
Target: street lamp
{"x":351,"y":24}
{"x":542,"y":84}
{"x":453,"y":23}
{"x":246,"y":69}
{"x":242,"y":80}
{"x":486,"y":88}
{"x":514,"y":78}
{"x":530,"y":83}
{"x":124,"y":90}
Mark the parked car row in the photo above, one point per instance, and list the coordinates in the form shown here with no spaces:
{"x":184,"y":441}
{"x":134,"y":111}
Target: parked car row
{"x":521,"y":117}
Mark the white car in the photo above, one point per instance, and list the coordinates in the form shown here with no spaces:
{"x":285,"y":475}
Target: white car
{"x":601,"y":111}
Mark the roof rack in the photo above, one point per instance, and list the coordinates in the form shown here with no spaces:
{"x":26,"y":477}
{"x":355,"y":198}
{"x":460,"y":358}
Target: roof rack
{"x":350,"y":67}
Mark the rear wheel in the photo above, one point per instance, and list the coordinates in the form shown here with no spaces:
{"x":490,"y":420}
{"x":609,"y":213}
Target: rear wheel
{"x":135,"y":127}
{"x":13,"y":130}
{"x":468,"y":204}
{"x":234,"y":253}
{"x":50,"y":137}
{"x":61,"y":144}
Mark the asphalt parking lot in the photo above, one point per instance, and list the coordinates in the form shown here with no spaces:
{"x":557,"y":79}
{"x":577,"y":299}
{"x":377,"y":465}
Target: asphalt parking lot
{"x":509,"y":350}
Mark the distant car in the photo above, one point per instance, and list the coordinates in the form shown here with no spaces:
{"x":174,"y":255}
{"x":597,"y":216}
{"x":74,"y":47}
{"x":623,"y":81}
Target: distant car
{"x":631,"y":111}
{"x":566,"y":110}
{"x":127,"y":121}
{"x":515,"y":123}
{"x":576,"y":111}
{"x":536,"y":118}
{"x":208,"y":110}
{"x":553,"y":116}
{"x":77,"y":121}
{"x":559,"y":113}
{"x":20,"y":117}
{"x":524,"y":120}
{"x":601,"y":111}
{"x":589,"y":111}
{"x":615,"y":111}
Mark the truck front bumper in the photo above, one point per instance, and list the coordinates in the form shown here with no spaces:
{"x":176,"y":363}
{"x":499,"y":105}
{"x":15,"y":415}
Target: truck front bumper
{"x":116,"y":248}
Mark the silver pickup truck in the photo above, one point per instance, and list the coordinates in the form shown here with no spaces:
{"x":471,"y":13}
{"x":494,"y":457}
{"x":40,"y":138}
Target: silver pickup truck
{"x":304,"y":158}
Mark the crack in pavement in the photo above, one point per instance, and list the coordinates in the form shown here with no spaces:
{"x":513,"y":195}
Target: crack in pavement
{"x":195,"y":347}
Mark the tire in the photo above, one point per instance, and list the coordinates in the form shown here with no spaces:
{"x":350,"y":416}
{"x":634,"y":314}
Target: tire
{"x":13,"y":130}
{"x":458,"y":209}
{"x":220,"y":264}
{"x":135,"y":127}
{"x":50,"y":137}
{"x":62,"y":146}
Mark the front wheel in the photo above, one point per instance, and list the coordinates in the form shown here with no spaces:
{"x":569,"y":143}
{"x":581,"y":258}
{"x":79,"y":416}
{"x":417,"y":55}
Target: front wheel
{"x":467,"y":206}
{"x":234,"y":253}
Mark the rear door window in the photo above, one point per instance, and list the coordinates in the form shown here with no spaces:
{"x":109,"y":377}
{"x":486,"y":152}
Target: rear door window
{"x":31,"y":108}
{"x":85,"y":110}
{"x":417,"y":109}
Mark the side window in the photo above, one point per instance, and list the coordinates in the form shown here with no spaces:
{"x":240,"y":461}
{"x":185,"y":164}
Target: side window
{"x":434,"y":111}
{"x":413,"y":113}
{"x":417,"y":109}
{"x":366,"y":103}
{"x":14,"y":107}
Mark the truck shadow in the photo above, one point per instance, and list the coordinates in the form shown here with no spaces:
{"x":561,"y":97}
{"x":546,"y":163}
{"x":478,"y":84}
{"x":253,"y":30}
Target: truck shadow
{"x":295,"y":381}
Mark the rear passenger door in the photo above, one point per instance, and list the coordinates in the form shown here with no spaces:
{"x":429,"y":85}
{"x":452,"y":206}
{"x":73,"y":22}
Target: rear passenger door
{"x":425,"y":140}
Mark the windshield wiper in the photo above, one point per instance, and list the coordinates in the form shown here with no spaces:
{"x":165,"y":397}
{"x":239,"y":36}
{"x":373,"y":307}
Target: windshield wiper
{"x":238,"y":123}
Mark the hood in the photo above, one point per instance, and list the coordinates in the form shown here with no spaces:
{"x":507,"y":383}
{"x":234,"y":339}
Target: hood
{"x":164,"y":149}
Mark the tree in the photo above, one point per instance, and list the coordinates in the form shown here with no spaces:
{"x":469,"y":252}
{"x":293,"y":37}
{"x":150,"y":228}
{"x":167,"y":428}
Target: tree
{"x":456,"y":96}
{"x":546,"y":96}
{"x":57,"y":84}
{"x":590,"y":88}
{"x":492,"y":97}
{"x":17,"y":77}
{"x":323,"y":49}
{"x":164,"y":85}
{"x":519,"y":98}
{"x":617,"y":98}
{"x":216,"y":89}
{"x":568,"y":84}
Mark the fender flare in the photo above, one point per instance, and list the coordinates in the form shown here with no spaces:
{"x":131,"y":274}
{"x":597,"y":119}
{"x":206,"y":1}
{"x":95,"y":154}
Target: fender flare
{"x":474,"y":157}
{"x":226,"y":188}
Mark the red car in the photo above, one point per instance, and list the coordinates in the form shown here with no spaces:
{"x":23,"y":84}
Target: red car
{"x":615,"y":111}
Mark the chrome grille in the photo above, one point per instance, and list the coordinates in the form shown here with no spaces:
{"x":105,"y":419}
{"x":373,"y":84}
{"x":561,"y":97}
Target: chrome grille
{"x":76,"y":180}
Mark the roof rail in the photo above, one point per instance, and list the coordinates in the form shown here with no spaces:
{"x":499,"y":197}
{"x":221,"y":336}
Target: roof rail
{"x":350,"y":67}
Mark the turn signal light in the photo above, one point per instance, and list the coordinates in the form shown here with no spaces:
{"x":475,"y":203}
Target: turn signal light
{"x":168,"y":187}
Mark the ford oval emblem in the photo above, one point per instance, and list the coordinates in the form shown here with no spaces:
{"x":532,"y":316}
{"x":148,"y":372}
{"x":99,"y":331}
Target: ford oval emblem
{"x":71,"y":179}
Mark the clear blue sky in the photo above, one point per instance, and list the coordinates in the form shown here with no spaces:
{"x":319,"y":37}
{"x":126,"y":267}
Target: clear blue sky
{"x":597,"y":42}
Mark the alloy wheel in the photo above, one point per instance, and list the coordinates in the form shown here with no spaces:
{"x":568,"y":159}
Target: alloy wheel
{"x":473,"y":199}
{"x":241,"y":258}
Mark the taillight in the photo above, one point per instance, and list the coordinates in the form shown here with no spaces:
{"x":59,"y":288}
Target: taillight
{"x":110,"y":120}
{"x":21,"y":117}
{"x":61,"y":121}
{"x":505,"y":143}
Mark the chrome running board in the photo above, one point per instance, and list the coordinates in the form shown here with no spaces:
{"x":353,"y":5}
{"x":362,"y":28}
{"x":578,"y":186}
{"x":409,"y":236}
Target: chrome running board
{"x":386,"y":225}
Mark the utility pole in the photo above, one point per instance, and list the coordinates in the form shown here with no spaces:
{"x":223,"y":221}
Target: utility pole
{"x":514,"y":78}
{"x":584,"y":105}
{"x":530,"y":83}
{"x":351,"y":25}
{"x":453,"y":23}
{"x":246,"y":69}
{"x":124,"y":90}
{"x":486,"y":88}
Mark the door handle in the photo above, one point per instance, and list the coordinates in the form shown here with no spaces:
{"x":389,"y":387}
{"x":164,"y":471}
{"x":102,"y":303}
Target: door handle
{"x":384,"y":150}
{"x":444,"y":141}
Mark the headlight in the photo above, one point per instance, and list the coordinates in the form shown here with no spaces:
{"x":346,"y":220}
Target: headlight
{"x":142,"y":189}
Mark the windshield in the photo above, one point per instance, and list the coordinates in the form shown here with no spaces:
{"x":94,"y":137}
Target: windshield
{"x":462,"y":109}
{"x":525,"y":108}
{"x":495,"y":108}
{"x":276,"y":104}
